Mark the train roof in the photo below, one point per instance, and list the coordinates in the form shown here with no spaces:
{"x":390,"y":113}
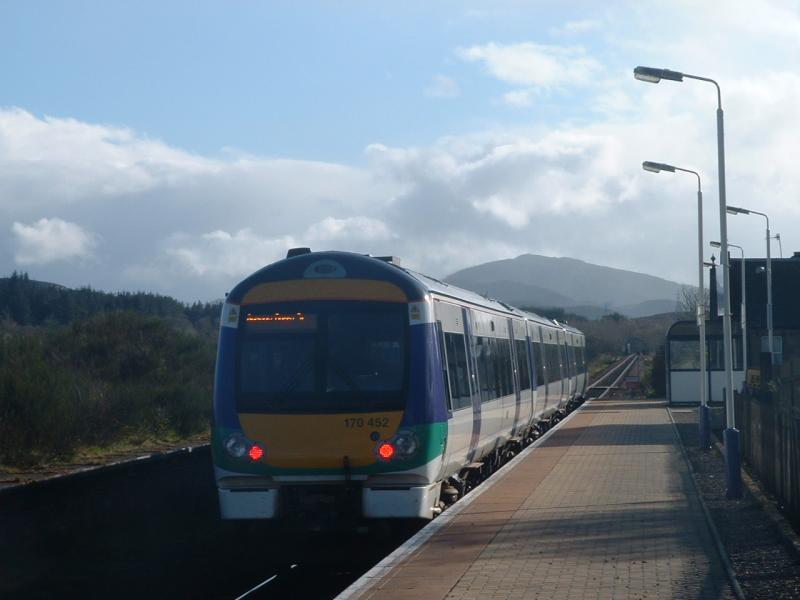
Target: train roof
{"x":445,"y":289}
{"x":364,"y":265}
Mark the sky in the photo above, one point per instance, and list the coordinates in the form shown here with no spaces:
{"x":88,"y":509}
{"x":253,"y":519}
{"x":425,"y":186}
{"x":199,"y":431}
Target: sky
{"x":177,"y":147}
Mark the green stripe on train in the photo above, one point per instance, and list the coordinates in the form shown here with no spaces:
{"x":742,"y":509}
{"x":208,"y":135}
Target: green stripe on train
{"x":432,"y":441}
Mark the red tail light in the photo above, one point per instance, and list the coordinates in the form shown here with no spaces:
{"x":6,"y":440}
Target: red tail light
{"x":386,"y":450}
{"x":255,"y":453}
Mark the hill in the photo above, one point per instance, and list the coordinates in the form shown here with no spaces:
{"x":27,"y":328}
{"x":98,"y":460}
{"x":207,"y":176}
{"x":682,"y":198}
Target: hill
{"x":578,"y":286}
{"x":24,"y":301}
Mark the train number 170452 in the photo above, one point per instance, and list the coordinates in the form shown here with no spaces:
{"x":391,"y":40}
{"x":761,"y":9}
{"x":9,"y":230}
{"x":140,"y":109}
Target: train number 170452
{"x":354,"y":422}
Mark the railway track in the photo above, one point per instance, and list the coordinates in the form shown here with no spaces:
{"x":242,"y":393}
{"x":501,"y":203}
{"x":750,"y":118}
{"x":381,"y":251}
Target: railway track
{"x":609,"y":384}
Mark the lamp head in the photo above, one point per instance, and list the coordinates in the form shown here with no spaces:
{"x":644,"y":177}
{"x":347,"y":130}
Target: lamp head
{"x":655,"y":167}
{"x":715,"y":244}
{"x":652,"y":75}
{"x":735,"y":210}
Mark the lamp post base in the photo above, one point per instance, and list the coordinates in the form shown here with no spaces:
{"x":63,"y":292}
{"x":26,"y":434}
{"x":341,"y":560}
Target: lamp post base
{"x":733,"y":465}
{"x":704,"y":425}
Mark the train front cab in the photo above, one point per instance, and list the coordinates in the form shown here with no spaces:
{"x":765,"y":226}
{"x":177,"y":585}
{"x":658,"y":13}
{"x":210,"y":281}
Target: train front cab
{"x":327,"y":388}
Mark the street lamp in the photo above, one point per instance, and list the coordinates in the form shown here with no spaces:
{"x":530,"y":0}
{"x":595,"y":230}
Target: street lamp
{"x":704,"y":420}
{"x":734,"y":210}
{"x":733,"y":470}
{"x":743,"y":318}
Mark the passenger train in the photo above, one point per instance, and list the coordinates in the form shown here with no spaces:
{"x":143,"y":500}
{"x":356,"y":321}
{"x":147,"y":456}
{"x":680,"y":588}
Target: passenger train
{"x":350,"y":386}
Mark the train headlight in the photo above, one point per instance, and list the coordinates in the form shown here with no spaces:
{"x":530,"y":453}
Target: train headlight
{"x":386,"y":450}
{"x":236,"y":445}
{"x":402,"y":445}
{"x":406,"y":443}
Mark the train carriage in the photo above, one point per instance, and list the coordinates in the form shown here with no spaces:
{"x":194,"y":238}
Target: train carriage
{"x":346,"y":384}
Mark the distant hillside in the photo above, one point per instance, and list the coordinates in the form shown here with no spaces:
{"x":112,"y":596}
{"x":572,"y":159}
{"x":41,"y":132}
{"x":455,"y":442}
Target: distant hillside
{"x":25,"y":301}
{"x":581,"y":287}
{"x":520,"y":294}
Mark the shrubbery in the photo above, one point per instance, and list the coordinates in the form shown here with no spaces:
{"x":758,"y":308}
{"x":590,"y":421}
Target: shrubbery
{"x":112,"y":377}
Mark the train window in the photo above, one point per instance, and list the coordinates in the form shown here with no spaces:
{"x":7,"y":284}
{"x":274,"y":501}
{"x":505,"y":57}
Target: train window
{"x":365,"y":353}
{"x":523,"y":370}
{"x":341,"y":357}
{"x":271,"y":367}
{"x":457,"y":368}
{"x":571,"y":361}
{"x":445,"y":377}
{"x":486,"y":370}
{"x":538,"y":362}
{"x":504,"y":373}
{"x":553,"y":362}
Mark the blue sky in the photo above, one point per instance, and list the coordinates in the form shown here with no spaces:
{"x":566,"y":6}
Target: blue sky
{"x":301,"y":80}
{"x":179,"y":146}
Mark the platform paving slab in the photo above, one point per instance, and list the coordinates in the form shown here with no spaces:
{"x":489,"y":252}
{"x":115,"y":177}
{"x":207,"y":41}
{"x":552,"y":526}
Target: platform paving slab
{"x":604,"y":508}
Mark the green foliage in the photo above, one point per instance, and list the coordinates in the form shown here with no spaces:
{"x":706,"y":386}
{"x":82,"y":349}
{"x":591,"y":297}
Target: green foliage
{"x":28,"y":302}
{"x":99,"y":380}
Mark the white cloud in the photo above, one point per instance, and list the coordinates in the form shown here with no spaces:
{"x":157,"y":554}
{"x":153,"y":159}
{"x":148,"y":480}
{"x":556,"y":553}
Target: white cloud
{"x":351,"y":228}
{"x":578,"y":27}
{"x":66,"y":159}
{"x":518,"y":98}
{"x":532,"y":64}
{"x":442,"y":87}
{"x":51,"y":240}
{"x":219,"y":253}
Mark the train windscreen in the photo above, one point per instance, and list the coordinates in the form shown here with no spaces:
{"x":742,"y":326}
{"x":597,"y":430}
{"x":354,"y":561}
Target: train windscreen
{"x":311,"y":357}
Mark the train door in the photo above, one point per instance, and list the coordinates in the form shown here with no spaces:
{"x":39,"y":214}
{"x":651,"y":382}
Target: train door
{"x":569,"y":351}
{"x":581,"y":349}
{"x":524,"y":387}
{"x":537,"y":371}
{"x":494,"y":375}
{"x":511,"y":396}
{"x":561,"y":347}
{"x":475,"y":390}
{"x":555,"y":380}
{"x":458,"y":377}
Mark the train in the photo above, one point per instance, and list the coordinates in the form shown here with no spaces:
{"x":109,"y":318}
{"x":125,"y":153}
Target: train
{"x":349,"y":386}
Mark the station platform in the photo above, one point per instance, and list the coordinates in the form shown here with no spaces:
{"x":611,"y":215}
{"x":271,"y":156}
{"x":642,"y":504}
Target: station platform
{"x":601,"y":507}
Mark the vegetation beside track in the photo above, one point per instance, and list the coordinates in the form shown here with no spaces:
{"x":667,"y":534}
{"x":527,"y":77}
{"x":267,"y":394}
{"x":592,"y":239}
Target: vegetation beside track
{"x":105,"y":379}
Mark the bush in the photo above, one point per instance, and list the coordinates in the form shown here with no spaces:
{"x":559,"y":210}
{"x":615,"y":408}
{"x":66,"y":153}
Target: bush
{"x":99,"y":381}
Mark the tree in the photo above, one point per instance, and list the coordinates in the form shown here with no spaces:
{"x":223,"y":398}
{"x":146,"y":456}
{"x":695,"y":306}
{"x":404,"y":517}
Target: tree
{"x":688,"y":299}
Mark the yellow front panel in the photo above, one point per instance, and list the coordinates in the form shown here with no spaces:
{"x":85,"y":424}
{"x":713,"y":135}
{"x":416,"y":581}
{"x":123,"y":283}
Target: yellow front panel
{"x":324,"y":289}
{"x":320,"y":441}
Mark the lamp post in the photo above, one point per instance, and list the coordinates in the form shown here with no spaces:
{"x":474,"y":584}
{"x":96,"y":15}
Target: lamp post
{"x":704,"y":420}
{"x":734,"y":210}
{"x":743,"y":318}
{"x":732,"y":456}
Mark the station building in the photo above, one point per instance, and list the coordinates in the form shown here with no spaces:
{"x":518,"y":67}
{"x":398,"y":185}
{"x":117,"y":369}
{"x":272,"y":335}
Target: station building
{"x":751,"y":345}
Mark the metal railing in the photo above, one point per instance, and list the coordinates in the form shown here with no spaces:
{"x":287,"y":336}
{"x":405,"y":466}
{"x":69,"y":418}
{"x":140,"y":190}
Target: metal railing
{"x":770,"y":434}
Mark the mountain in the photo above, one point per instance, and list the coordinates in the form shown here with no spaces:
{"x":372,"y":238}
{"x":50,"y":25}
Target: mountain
{"x":581,"y":287}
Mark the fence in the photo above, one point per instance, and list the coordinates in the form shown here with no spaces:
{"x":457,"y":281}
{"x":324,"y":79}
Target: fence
{"x":769,"y":423}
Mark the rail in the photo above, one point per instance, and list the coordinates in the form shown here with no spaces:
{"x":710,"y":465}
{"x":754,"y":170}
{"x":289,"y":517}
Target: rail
{"x":616,"y":373}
